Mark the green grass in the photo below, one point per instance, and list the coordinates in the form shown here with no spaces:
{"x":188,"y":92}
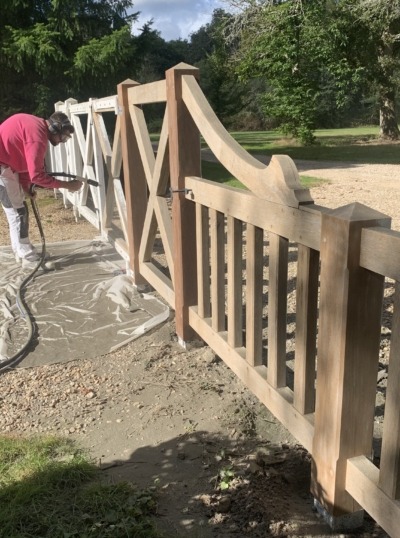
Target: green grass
{"x":50,"y":489}
{"x":360,"y":145}
{"x":309,"y":182}
{"x":214,"y":171}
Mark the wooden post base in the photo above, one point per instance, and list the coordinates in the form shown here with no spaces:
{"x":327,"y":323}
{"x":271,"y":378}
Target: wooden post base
{"x":344,"y":523}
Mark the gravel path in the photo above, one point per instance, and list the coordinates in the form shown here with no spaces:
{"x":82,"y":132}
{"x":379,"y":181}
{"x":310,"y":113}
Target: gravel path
{"x":377,"y":186}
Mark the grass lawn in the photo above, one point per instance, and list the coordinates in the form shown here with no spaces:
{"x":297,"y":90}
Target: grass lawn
{"x":50,"y":489}
{"x":216,"y":172}
{"x":358,"y":144}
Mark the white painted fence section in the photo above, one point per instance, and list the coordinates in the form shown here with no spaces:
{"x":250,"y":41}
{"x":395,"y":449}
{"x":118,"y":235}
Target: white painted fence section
{"x":94,"y":152}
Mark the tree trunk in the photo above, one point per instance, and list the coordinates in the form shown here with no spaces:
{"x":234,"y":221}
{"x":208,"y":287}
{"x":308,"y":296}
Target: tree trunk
{"x":389,"y":129}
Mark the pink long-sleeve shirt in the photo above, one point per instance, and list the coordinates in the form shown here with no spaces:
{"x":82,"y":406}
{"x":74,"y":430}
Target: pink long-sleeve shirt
{"x":23,"y":145}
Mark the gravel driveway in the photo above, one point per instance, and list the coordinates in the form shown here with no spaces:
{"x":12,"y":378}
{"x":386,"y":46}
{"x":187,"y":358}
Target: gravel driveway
{"x":374,"y":185}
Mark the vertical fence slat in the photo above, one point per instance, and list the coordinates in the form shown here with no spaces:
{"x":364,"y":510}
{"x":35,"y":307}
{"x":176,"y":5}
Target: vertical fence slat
{"x":306,"y":329}
{"x":389,"y":476}
{"x":217,"y":270}
{"x":234,"y":242}
{"x":277,"y":309}
{"x":203,"y":261}
{"x":254,"y":288}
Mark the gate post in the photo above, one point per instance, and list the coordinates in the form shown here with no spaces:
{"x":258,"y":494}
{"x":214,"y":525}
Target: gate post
{"x":185,"y":160}
{"x":348,"y":351}
{"x":135,"y":185}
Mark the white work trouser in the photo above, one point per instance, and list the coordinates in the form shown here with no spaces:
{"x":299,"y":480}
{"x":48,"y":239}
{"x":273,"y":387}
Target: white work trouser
{"x":12,"y":198}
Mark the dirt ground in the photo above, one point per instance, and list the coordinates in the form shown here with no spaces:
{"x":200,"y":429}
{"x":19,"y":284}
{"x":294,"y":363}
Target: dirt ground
{"x":157,"y":414}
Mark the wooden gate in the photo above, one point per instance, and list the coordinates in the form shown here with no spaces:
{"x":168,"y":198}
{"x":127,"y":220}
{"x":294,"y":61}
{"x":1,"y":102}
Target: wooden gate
{"x":243,"y":268}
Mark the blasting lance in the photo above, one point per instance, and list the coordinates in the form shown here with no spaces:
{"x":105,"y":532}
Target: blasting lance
{"x":73,"y":176}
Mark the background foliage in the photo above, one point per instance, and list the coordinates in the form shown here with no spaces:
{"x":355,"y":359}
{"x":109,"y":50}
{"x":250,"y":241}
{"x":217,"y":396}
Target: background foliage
{"x":294,"y":64}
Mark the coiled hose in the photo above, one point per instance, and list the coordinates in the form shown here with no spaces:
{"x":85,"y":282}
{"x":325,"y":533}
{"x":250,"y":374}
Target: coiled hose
{"x":20,"y":302}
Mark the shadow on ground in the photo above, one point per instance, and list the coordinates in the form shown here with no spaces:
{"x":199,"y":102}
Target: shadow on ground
{"x":211,"y":485}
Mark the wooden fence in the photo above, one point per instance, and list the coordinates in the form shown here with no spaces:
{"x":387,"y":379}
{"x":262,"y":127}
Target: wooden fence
{"x":242,"y":268}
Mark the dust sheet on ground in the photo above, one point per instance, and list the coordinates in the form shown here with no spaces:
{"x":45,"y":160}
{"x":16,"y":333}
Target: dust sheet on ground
{"x":85,"y":308}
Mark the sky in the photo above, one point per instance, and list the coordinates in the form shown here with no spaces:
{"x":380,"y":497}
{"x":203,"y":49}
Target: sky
{"x":176,"y":18}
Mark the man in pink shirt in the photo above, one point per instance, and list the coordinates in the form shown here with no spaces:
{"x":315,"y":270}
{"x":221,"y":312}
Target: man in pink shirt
{"x":23,"y":145}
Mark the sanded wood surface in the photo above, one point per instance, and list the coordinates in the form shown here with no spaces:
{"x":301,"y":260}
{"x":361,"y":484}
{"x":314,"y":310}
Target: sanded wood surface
{"x":116,"y":158}
{"x":217,"y":261}
{"x":135,"y":186}
{"x":153,"y":92}
{"x":203,"y":261}
{"x":278,"y":401}
{"x":158,"y":216}
{"x":254,"y":294}
{"x":277,"y":309}
{"x":356,"y":248}
{"x":184,"y":159}
{"x":389,"y":478}
{"x":306,"y":329}
{"x":104,"y":193}
{"x":348,"y":348}
{"x":380,"y":250}
{"x":121,"y":205}
{"x":143,"y":142}
{"x":102,"y":158}
{"x":362,"y":484}
{"x":301,"y":225}
{"x":234,"y":275}
{"x":278,"y":182}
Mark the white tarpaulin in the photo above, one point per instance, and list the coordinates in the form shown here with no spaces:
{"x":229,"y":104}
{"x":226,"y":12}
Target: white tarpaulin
{"x":86,"y":307}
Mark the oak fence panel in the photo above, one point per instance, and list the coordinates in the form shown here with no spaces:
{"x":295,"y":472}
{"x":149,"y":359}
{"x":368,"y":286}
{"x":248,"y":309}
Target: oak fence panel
{"x":234,"y":257}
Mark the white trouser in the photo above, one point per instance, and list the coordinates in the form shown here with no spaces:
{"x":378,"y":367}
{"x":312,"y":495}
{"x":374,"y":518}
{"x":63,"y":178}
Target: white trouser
{"x":12,"y":199}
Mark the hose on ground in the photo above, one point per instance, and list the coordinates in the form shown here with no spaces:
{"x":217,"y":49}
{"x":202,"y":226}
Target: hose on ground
{"x":20,"y":301}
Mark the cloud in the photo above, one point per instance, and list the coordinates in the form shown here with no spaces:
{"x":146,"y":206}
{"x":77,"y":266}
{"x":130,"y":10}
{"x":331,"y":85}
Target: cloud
{"x":175,"y":19}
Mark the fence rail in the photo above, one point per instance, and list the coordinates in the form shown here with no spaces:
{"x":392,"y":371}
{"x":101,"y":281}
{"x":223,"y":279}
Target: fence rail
{"x":244,"y":267}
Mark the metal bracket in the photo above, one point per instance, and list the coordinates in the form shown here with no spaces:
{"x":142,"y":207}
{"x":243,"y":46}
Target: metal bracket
{"x":174,"y":191}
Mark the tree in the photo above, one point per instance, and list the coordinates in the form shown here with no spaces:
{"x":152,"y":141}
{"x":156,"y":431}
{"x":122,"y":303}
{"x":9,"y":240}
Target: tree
{"x":379,"y":21}
{"x":301,"y":49}
{"x":212,"y":55}
{"x":56,"y":48}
